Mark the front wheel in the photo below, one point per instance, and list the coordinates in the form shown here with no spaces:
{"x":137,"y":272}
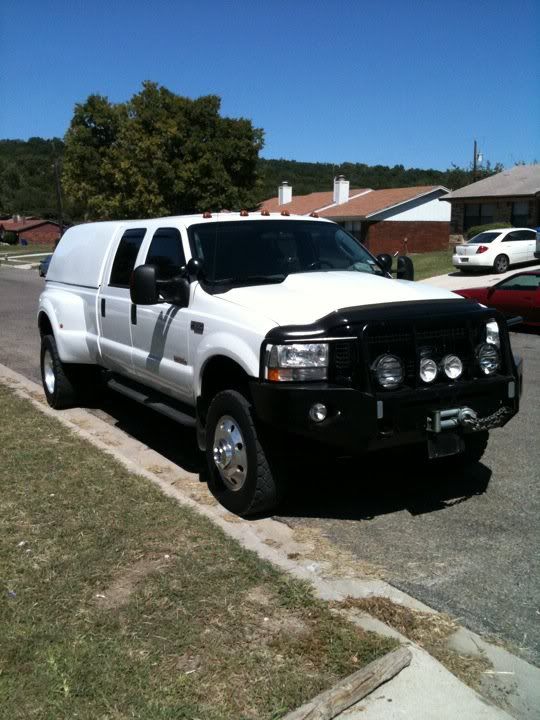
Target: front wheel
{"x":501,"y":264}
{"x":239,"y":472}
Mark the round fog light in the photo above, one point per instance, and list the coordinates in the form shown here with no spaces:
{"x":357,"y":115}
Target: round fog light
{"x":488,"y":358}
{"x":318,"y":412}
{"x":452,"y":366}
{"x":428,"y":370}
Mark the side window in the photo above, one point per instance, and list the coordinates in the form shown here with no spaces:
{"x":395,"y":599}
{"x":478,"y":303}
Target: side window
{"x":521,"y":282}
{"x":512,"y":236}
{"x":124,"y":261}
{"x":166,"y":253}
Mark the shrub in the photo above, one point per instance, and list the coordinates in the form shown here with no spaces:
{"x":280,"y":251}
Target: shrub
{"x":471,"y":232}
{"x":9,"y":237}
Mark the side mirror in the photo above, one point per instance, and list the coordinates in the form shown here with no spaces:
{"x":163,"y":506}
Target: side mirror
{"x":194,"y":269}
{"x":143,"y":286}
{"x":175,"y":291}
{"x":385,"y":261}
{"x":405,"y":268}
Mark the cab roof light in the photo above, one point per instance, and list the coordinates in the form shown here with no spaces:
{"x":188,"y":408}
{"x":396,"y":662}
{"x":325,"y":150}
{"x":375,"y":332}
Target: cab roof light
{"x":314,"y":214}
{"x":244,"y":213}
{"x":285,"y":213}
{"x":207,"y":214}
{"x":266,"y":213}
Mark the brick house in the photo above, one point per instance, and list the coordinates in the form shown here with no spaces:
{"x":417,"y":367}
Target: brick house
{"x":396,"y":219}
{"x":511,"y":196}
{"x":34,"y":231}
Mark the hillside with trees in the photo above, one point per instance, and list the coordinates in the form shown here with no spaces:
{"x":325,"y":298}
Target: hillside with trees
{"x":163,"y":154}
{"x":27,"y":184}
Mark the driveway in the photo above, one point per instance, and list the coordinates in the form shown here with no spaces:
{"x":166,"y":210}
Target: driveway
{"x":467,"y":545}
{"x":458,"y":281}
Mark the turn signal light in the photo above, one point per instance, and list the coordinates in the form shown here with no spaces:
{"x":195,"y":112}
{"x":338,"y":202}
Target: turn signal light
{"x":481,"y":249}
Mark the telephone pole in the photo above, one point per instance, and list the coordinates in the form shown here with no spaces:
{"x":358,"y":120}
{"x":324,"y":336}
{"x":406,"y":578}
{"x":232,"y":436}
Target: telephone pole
{"x":475,"y":162}
{"x":59,"y":206}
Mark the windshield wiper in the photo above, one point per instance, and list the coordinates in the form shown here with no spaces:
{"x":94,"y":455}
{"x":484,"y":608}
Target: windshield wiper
{"x":248,"y":279}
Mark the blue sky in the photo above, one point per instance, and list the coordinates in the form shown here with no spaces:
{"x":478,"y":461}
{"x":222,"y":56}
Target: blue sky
{"x":382,"y":81}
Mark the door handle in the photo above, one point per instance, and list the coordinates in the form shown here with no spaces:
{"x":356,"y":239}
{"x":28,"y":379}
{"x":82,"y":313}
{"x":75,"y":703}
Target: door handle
{"x":133,"y":314}
{"x":102,"y":307}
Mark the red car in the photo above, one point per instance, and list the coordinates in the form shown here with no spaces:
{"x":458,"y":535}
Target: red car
{"x":518,"y":294}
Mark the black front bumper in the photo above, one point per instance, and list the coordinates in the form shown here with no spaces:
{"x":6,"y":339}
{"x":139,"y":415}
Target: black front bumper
{"x":361,"y":421}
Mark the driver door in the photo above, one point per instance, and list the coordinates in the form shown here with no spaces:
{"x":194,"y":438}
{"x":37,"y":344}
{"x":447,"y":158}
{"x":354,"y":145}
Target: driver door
{"x":160,"y":332}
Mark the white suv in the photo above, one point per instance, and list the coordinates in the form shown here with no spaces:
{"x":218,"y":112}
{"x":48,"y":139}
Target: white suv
{"x":497,"y":249}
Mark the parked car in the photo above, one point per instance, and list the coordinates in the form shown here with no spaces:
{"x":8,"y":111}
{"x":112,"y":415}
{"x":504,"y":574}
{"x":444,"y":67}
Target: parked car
{"x":44,"y":266}
{"x":516,"y":295}
{"x":496,"y":249}
{"x":271,"y":333}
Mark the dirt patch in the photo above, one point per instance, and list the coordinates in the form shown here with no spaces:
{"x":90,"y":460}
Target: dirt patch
{"x":429,"y":630}
{"x":119,"y":591}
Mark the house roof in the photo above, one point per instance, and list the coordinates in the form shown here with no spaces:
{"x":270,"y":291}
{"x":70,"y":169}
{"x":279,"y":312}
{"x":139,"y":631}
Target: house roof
{"x":304,"y":204}
{"x":519,"y":180}
{"x":20,"y":225}
{"x":378,"y":200}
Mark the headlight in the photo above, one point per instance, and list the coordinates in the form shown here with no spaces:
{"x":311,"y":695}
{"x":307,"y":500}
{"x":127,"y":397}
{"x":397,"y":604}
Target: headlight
{"x":492,"y":333}
{"x":488,"y":358}
{"x":428,"y":369}
{"x":388,"y":370}
{"x":452,"y":366}
{"x":297,"y":362}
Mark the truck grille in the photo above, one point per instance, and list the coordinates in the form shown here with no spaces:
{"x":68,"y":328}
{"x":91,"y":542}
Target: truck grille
{"x":409,"y":343}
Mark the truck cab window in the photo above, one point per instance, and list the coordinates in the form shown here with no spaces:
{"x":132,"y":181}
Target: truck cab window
{"x":166,"y":253}
{"x":127,"y":252}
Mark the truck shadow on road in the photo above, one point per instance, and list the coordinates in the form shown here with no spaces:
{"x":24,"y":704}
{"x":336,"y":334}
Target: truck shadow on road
{"x":380,"y":485}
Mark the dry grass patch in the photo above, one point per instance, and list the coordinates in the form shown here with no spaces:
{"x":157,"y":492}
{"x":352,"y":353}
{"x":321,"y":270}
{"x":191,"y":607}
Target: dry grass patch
{"x":429,"y":630}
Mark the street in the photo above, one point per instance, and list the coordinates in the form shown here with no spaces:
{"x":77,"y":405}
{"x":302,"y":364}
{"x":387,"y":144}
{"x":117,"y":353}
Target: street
{"x":465,"y":545}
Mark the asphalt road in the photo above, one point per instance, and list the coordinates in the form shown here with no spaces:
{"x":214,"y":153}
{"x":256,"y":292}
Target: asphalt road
{"x":467,"y":545}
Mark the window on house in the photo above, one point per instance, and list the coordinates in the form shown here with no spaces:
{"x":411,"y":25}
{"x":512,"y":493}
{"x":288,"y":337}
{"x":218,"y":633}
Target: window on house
{"x":520,"y":213}
{"x":126,"y":255}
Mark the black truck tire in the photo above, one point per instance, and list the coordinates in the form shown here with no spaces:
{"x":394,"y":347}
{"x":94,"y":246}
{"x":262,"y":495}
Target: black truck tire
{"x":239,"y":472}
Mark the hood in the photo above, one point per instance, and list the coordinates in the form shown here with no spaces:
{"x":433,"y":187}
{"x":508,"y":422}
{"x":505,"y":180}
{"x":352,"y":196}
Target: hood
{"x":303,"y":298}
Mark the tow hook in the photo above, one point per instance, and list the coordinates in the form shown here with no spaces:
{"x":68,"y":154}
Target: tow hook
{"x":440,"y":420}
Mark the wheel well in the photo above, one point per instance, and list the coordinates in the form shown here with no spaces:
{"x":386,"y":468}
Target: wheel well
{"x":220,"y":373}
{"x":44,"y":324}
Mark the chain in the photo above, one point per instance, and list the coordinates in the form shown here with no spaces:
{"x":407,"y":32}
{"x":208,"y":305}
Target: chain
{"x":488,"y":423}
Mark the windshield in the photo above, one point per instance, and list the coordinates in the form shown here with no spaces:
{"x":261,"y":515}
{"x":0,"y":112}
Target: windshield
{"x":264,"y":251}
{"x":483,"y":238}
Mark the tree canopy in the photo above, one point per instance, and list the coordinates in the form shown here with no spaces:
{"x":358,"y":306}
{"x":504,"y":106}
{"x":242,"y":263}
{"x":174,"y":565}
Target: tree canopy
{"x":158,"y":154}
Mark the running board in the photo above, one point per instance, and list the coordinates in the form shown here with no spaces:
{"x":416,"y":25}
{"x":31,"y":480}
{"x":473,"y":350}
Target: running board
{"x":150,"y":401}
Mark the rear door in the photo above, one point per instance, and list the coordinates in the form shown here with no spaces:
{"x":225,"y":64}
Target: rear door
{"x":515,"y":246}
{"x":114,"y":303}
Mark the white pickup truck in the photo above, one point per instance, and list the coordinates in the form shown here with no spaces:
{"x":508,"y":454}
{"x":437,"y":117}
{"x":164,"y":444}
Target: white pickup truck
{"x":264,"y":330}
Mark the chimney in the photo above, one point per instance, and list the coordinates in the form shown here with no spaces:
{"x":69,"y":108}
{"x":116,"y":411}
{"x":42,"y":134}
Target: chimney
{"x":341,"y":190}
{"x":284,"y":193}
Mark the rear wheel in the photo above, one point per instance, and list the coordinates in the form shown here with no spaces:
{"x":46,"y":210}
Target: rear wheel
{"x":239,"y":467}
{"x":501,"y":264}
{"x":65,"y":384}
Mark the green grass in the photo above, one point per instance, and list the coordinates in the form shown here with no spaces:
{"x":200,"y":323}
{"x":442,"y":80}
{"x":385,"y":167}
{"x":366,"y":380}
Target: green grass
{"x":116,"y":602}
{"x":430,"y":264}
{"x":20,"y":250}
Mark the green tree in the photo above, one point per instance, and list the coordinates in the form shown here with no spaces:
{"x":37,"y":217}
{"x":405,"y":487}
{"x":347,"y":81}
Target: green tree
{"x":158,"y":154}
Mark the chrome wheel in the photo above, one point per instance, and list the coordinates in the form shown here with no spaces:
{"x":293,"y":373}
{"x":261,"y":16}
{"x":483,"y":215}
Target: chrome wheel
{"x":229,"y":453}
{"x":48,"y":372}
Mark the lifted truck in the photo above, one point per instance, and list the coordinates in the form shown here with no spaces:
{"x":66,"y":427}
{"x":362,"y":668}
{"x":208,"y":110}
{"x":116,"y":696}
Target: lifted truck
{"x":263,"y":330}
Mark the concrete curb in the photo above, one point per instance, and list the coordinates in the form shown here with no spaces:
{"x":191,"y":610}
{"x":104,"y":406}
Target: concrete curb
{"x":424,"y":690}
